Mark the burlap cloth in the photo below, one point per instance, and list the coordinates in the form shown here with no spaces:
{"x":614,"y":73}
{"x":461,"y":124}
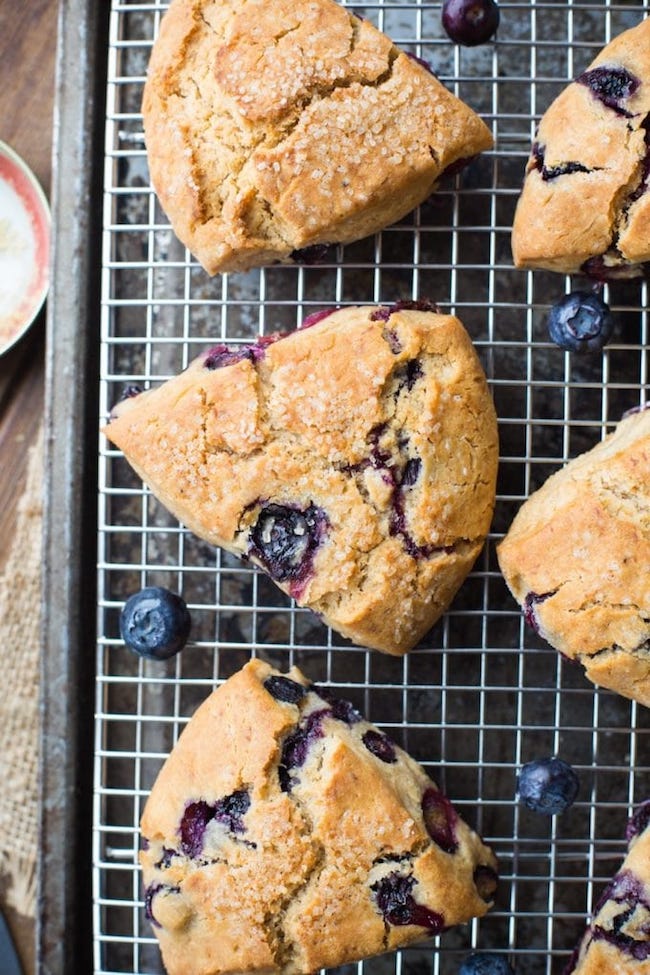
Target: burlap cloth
{"x":20,"y":621}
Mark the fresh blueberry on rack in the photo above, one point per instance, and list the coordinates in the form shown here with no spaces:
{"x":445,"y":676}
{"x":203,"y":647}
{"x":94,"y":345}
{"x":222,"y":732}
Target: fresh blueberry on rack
{"x":581,"y":322}
{"x":155,"y":623}
{"x":470,"y":22}
{"x":485,"y":963}
{"x":395,"y":900}
{"x":547,"y":786}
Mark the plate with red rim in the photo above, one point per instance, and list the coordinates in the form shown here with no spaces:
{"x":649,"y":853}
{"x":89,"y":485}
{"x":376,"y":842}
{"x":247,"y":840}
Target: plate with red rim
{"x":24,"y":247}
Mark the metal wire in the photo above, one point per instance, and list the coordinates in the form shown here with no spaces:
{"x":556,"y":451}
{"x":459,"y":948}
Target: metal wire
{"x":482,"y":694}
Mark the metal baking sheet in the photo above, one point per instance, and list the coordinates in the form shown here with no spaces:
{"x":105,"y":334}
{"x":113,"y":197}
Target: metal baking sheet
{"x":481,"y":694}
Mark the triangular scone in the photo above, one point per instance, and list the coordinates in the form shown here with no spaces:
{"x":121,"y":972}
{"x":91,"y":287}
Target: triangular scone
{"x":617,"y":941}
{"x":354,"y":460}
{"x":577,"y":559}
{"x":285,"y":834}
{"x":585,"y":204}
{"x":275,"y":127}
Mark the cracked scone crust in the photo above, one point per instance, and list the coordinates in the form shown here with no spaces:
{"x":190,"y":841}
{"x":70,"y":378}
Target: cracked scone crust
{"x":285,"y":834}
{"x":577,"y":554}
{"x":353,"y":460}
{"x":617,"y":940}
{"x":585,"y":205}
{"x":275,"y":127}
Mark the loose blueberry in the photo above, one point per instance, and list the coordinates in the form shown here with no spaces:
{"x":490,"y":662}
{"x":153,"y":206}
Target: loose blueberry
{"x":440,"y":818}
{"x":485,"y":963}
{"x":611,"y":86}
{"x":285,"y":540}
{"x":547,"y":786}
{"x":155,"y":623}
{"x":380,"y":746}
{"x":394,"y":898}
{"x":470,"y":22}
{"x":284,"y":689}
{"x":581,"y":322}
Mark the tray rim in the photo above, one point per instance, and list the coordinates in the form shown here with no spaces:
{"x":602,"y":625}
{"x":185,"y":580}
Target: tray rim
{"x":63,"y":925}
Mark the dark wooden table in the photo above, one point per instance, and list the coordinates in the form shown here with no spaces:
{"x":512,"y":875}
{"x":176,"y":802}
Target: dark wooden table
{"x":27,"y":56}
{"x":28,"y":33}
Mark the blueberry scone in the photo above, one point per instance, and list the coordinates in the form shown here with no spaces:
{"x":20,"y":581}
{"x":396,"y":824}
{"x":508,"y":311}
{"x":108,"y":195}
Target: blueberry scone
{"x":353,"y":460}
{"x":577,"y":557}
{"x":617,"y":941}
{"x":273,"y":129}
{"x":584,"y":206}
{"x":285,"y":834}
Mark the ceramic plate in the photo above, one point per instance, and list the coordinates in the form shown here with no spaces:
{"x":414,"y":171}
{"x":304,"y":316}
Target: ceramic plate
{"x":24,"y":247}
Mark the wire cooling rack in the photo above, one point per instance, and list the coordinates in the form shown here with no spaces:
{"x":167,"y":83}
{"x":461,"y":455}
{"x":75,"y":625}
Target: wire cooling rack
{"x":482,"y":694}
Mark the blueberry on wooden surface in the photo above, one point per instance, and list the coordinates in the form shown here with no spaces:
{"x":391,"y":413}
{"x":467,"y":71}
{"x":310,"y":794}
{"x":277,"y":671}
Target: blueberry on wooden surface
{"x":581,"y":322}
{"x":155,"y":623}
{"x":470,"y":22}
{"x":547,"y":786}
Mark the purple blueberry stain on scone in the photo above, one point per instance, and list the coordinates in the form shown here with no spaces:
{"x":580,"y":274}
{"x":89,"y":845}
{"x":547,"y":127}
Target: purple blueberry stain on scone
{"x":316,"y":317}
{"x":627,"y":926}
{"x":552,"y":172}
{"x":223,"y":355}
{"x":638,"y":822}
{"x":296,"y":745}
{"x":284,"y":689}
{"x":380,"y":746}
{"x":440,"y":819}
{"x":531,"y":601}
{"x":150,"y":893}
{"x":339,"y":708}
{"x":611,"y":85}
{"x":229,"y":811}
{"x":384,"y":312}
{"x":166,"y":857}
{"x":397,"y":905}
{"x":284,"y":539}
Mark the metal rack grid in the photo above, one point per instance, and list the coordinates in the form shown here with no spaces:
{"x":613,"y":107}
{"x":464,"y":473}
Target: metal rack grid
{"x":482,"y":694}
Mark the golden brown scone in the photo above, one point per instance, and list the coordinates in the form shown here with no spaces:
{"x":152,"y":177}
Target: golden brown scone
{"x":585,"y":204}
{"x":577,"y":556}
{"x":272,"y":128}
{"x":617,"y":941}
{"x":285,"y":833}
{"x":354,"y":460}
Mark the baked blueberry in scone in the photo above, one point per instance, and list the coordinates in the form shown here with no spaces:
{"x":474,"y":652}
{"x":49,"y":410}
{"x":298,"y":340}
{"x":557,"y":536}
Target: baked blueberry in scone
{"x":279,"y":838}
{"x":274,"y":129}
{"x":617,"y":940}
{"x":585,"y":205}
{"x":577,"y":559}
{"x":354,"y":461}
